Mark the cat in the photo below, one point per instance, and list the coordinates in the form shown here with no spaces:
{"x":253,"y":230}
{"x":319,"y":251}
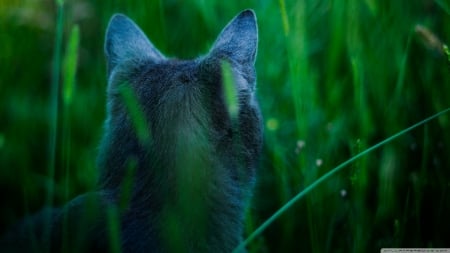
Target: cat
{"x":177,"y":165}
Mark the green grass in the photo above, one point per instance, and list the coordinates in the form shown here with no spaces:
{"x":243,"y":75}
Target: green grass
{"x":329,"y":174}
{"x":54,"y":110}
{"x":336,"y":79}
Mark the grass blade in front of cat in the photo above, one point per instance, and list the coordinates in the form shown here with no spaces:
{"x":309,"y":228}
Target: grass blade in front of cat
{"x":231,"y":98}
{"x":136,"y":113}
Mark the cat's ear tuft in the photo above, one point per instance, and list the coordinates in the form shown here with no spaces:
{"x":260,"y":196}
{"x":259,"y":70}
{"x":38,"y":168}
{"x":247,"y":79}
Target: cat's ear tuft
{"x":125,"y":41}
{"x":238,"y":41}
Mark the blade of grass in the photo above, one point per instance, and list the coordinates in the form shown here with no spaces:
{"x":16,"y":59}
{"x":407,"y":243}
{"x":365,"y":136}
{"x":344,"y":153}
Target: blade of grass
{"x":70,"y":65}
{"x":447,"y":52}
{"x":444,"y":5}
{"x":136,"y":113}
{"x":284,"y":17}
{"x":309,"y":188}
{"x":114,"y":229}
{"x":127,"y":186}
{"x":54,"y":110}
{"x":403,"y":68}
{"x":231,"y":98}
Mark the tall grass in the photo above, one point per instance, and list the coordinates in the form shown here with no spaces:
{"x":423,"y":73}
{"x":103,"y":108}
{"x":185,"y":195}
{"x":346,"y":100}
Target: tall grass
{"x":54,"y":110}
{"x":335,"y":79}
{"x":328,"y":175}
{"x":68,"y":93}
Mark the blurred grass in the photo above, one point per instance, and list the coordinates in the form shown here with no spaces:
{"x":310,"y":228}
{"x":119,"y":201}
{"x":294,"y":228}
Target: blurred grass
{"x":68,"y":86}
{"x":334,"y":78}
{"x":330,"y":174}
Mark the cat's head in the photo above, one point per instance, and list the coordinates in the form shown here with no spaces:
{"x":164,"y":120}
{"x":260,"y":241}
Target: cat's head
{"x":173,"y":103}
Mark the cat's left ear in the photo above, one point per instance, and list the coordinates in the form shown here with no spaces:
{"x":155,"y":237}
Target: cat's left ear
{"x":238,"y":41}
{"x":125,"y":41}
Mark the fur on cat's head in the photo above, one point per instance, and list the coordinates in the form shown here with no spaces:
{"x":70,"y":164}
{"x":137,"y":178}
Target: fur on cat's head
{"x":182,"y":105}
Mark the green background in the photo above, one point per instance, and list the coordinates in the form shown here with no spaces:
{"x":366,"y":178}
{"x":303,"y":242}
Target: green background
{"x":334,"y":78}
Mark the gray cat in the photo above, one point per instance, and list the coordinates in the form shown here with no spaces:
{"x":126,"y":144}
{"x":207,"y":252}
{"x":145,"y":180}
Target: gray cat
{"x":176,"y":165}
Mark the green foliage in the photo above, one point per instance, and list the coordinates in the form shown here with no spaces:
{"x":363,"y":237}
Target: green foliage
{"x":331,"y":173}
{"x":230,"y":91}
{"x":70,"y":65}
{"x":334,"y":79}
{"x":136,"y":113}
{"x":114,"y":229}
{"x":447,"y":52}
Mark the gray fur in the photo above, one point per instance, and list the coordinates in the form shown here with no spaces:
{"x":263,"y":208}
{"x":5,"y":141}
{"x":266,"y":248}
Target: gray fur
{"x":136,"y":47}
{"x":192,"y":180}
{"x":239,"y":41}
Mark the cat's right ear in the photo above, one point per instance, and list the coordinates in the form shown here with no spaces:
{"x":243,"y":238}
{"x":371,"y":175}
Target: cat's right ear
{"x":125,"y":41}
{"x":238,"y":41}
